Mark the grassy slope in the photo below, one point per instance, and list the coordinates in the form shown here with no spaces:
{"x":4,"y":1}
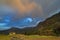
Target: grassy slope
{"x":31,"y":37}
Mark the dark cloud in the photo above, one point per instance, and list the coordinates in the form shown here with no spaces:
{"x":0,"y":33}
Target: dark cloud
{"x":37,"y":10}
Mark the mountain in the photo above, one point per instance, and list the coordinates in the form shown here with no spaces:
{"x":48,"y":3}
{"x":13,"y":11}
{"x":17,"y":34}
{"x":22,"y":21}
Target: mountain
{"x":51,"y":26}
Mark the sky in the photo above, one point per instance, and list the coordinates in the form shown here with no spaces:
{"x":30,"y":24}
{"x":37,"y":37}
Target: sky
{"x":26,"y":13}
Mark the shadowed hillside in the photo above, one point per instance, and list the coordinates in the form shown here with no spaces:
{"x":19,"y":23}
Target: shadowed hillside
{"x":50,"y":26}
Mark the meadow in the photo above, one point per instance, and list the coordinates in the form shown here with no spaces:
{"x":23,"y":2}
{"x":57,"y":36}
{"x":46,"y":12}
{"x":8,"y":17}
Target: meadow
{"x":27,"y":37}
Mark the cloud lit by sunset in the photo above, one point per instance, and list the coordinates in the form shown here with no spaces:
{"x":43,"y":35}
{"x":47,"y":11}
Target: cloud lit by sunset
{"x":26,"y":6}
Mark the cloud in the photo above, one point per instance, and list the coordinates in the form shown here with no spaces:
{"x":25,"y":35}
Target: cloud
{"x":26,"y":6}
{"x":33,"y":7}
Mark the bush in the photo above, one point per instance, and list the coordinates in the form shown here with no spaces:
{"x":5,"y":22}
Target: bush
{"x":57,"y":31}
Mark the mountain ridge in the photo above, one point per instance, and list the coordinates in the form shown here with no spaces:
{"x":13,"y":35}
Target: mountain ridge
{"x":47,"y":27}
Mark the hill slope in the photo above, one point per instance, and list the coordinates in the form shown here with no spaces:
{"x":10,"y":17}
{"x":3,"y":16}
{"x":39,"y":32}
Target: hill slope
{"x":50,"y":26}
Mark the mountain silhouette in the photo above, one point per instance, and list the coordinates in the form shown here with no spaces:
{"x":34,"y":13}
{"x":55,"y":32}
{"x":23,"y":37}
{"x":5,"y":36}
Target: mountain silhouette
{"x":51,"y":26}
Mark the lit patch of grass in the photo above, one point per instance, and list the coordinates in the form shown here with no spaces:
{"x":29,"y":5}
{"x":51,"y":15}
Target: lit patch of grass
{"x":31,"y":37}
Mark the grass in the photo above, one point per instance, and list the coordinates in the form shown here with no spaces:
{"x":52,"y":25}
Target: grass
{"x":31,"y":37}
{"x":4,"y":37}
